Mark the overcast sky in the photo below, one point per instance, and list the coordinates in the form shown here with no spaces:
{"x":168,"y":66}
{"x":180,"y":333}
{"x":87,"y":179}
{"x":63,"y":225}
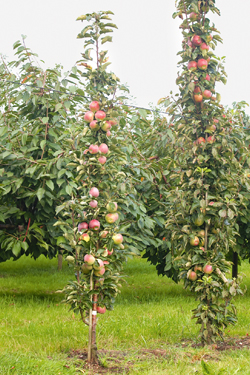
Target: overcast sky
{"x":144,"y":48}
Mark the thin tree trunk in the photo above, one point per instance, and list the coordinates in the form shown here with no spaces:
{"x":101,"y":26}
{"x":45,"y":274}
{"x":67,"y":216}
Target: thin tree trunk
{"x":235,"y":265}
{"x":60,"y":260}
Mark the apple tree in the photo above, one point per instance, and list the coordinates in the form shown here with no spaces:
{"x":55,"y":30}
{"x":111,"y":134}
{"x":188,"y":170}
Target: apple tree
{"x":94,"y":219}
{"x":38,"y":111}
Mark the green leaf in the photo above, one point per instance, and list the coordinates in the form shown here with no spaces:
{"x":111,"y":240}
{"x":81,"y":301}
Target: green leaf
{"x":45,"y":120}
{"x":16,"y":248}
{"x":50,"y":184}
{"x":106,"y":39}
{"x":58,"y":106}
{"x":223,"y":213}
{"x":40,"y":193}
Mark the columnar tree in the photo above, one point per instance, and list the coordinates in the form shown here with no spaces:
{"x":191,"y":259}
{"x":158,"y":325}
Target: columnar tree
{"x":92,"y":219}
{"x":207,"y":192}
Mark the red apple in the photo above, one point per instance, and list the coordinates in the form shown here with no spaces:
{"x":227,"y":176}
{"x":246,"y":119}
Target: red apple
{"x":191,"y":275}
{"x":112,"y":207}
{"x":204,"y":46}
{"x":89,"y":259}
{"x":208,"y":269}
{"x":117,"y":238}
{"x":94,"y":106}
{"x":100,"y":115}
{"x":108,"y":134}
{"x":104,"y":234}
{"x":106,"y":126}
{"x":211,"y":139}
{"x":93,"y":149}
{"x":207,"y":94}
{"x":202,"y":64}
{"x":111,"y":218}
{"x":207,"y":77}
{"x":113,"y":122}
{"x":197,"y":268}
{"x":198,"y":98}
{"x":101,"y":310}
{"x":89,"y":116}
{"x":100,"y":272}
{"x":93,"y":204}
{"x":110,"y":252}
{"x":192,"y":65}
{"x":94,"y":125}
{"x":98,"y":265}
{"x":194,"y":241}
{"x":82,"y":226}
{"x":216,"y":121}
{"x":94,"y":192}
{"x":85,"y":152}
{"x":103,"y":148}
{"x":196,"y":40}
{"x":193,"y":16}
{"x":94,"y":224}
{"x":102,"y":159}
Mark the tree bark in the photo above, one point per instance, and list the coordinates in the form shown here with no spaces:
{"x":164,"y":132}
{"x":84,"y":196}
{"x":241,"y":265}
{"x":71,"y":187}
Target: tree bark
{"x":60,"y":260}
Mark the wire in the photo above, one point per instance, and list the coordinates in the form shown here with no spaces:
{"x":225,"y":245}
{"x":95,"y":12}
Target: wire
{"x":78,"y":95}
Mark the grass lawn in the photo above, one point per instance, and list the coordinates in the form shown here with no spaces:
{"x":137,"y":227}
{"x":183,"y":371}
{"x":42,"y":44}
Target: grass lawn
{"x":149,"y":331}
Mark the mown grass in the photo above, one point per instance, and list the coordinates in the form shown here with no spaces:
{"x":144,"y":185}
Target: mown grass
{"x":151,"y":313}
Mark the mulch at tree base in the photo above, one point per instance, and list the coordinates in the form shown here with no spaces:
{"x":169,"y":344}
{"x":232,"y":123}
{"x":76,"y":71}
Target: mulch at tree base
{"x":118,"y":362}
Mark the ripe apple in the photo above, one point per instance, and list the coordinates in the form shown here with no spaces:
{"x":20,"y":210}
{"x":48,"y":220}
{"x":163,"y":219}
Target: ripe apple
{"x":94,"y":192}
{"x":103,"y":148}
{"x":94,"y":125}
{"x":98,"y":265}
{"x":204,"y":46}
{"x":101,"y":310}
{"x":112,"y":207}
{"x":102,"y":159}
{"x":106,"y":126}
{"x":207,"y":94}
{"x":193,"y":16}
{"x":198,"y":98}
{"x":207,"y":78}
{"x":211,"y":139}
{"x":117,"y":238}
{"x":104,"y":234}
{"x":201,"y":140}
{"x":110,"y":252}
{"x":89,"y":259}
{"x":201,"y":233}
{"x":89,"y":116}
{"x":94,"y":224}
{"x":202,"y":64}
{"x":108,"y":134}
{"x":111,"y":218}
{"x":192,"y":65}
{"x":94,"y":106}
{"x":93,"y":149}
{"x":82,"y":226}
{"x":99,"y":272}
{"x":93,"y":204}
{"x":194,"y":241}
{"x":191,"y":275}
{"x":208,"y":269}
{"x":113,"y":122}
{"x":84,"y":237}
{"x":100,"y":115}
{"x":196,"y":40}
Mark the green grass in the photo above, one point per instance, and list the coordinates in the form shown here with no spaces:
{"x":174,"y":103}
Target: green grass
{"x":37,"y":332}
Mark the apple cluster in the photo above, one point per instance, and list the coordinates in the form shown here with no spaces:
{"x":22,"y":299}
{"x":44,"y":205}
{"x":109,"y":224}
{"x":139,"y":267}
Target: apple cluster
{"x":97,"y":119}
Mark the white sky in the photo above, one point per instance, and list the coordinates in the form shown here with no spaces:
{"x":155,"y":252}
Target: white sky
{"x":143,"y":52}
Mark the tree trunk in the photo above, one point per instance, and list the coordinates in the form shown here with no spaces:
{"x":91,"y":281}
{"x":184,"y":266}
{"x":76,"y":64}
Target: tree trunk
{"x":60,"y":260}
{"x":92,"y":347}
{"x":235,"y":265}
